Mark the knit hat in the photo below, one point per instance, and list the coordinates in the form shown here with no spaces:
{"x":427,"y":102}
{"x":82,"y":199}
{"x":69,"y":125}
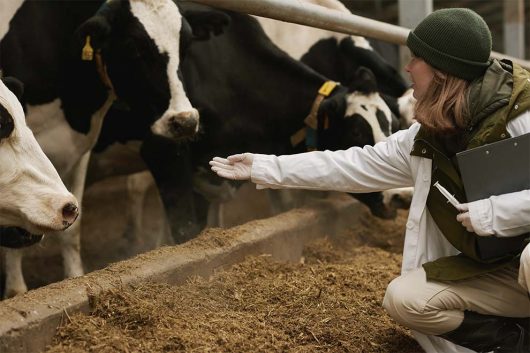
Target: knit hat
{"x":456,"y":41}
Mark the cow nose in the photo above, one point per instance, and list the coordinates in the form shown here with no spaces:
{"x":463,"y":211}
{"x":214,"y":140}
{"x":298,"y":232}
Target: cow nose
{"x":184,"y":124}
{"x":70,"y":213}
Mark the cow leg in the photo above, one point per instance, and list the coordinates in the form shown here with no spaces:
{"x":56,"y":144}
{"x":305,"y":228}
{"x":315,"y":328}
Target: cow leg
{"x":170,"y":165}
{"x":138,"y":185}
{"x":375,"y":201}
{"x":70,"y":239}
{"x":15,"y":283}
{"x":214,"y":215}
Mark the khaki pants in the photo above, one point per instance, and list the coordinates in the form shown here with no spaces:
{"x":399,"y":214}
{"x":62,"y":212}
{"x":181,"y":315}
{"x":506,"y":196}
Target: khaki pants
{"x":524,"y":269}
{"x":434,"y":308}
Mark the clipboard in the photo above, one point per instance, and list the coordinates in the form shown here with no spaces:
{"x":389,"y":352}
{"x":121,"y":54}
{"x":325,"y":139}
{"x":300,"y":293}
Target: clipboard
{"x":498,"y":168}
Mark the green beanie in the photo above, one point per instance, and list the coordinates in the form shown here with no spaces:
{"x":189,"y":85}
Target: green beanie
{"x":456,"y":41}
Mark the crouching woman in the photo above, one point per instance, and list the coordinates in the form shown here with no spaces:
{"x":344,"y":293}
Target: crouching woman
{"x":447,"y":294}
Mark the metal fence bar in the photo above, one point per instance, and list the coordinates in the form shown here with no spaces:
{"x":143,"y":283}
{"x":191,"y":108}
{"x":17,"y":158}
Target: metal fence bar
{"x":324,"y":18}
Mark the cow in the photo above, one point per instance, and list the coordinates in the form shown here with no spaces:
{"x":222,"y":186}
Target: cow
{"x":242,"y":59}
{"x":90,"y":54}
{"x":337,"y":56}
{"x":34,"y":199}
{"x":253,"y":96}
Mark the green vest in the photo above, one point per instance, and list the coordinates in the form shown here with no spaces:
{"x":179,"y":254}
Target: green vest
{"x":501,"y":95}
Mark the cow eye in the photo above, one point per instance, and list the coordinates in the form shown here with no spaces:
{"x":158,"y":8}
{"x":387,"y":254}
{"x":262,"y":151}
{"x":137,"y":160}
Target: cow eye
{"x":6,"y":123}
{"x":364,"y":107}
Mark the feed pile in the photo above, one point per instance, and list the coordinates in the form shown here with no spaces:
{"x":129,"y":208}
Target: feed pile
{"x":328,"y":302}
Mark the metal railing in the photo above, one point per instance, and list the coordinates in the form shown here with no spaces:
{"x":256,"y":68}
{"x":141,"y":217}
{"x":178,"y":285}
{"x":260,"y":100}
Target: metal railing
{"x":324,"y":18}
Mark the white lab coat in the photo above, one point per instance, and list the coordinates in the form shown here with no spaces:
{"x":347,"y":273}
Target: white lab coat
{"x":388,"y":165}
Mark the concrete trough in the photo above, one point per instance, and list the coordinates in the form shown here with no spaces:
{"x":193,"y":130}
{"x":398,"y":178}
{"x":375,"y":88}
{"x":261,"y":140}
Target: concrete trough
{"x":29,"y":321}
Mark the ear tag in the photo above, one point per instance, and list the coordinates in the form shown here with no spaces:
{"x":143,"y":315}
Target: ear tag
{"x":327,"y":88}
{"x":87,"y":54}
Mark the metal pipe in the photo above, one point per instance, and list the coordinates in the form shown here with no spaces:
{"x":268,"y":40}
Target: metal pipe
{"x":324,"y":18}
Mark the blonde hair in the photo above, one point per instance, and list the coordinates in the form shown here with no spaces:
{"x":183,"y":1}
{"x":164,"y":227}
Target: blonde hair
{"x":443,"y":109}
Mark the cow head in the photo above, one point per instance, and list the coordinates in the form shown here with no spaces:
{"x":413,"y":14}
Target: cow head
{"x":34,"y":199}
{"x":355,"y":53}
{"x":141,"y":43}
{"x":357,"y":115}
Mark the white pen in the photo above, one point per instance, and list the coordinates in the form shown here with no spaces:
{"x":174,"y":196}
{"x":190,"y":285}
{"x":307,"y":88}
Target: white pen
{"x":450,"y":198}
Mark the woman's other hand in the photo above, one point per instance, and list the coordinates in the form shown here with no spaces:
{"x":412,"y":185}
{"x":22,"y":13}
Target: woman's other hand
{"x":464,"y":218}
{"x":235,"y":167}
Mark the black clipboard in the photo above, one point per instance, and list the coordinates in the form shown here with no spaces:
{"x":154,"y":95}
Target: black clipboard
{"x":497,"y":168}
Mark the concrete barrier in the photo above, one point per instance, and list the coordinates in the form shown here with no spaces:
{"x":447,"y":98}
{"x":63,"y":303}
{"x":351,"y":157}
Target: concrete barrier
{"x":28,"y":322}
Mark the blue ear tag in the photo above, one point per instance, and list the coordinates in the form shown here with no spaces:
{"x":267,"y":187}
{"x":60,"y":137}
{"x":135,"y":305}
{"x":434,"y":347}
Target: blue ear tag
{"x":310,"y":139}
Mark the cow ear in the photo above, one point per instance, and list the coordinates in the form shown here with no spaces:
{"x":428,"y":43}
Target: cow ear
{"x":93,"y":34}
{"x":334,"y":106}
{"x":203,"y":23}
{"x":363,"y":80}
{"x":15,"y":85}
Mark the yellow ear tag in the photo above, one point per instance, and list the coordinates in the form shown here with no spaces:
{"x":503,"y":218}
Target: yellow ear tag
{"x":327,"y":88}
{"x":87,"y":54}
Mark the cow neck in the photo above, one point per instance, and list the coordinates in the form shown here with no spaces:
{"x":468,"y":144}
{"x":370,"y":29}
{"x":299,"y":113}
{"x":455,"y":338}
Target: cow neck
{"x":309,"y":133}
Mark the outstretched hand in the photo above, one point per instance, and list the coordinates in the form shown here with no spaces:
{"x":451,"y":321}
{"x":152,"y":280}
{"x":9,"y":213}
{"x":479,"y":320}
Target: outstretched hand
{"x":235,"y":167}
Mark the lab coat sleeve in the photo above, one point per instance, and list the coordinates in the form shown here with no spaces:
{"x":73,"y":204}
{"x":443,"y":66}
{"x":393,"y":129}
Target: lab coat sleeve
{"x":509,"y":214}
{"x":372,"y":168}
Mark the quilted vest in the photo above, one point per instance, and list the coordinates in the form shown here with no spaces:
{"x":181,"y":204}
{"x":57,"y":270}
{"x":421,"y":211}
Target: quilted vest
{"x":501,"y":95}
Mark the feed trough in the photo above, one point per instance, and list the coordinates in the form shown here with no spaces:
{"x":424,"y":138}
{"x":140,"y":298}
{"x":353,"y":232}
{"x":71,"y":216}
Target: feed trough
{"x":29,"y":321}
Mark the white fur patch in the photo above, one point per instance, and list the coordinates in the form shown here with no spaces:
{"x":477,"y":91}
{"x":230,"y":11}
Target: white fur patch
{"x":53,"y":133}
{"x":361,"y":42}
{"x":296,"y":40}
{"x":367,"y":106}
{"x":8,"y":10}
{"x":163,"y":21}
{"x":406,"y":104}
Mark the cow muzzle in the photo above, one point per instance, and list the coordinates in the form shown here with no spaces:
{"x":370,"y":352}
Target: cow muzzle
{"x":177,"y":125}
{"x":70,"y":212}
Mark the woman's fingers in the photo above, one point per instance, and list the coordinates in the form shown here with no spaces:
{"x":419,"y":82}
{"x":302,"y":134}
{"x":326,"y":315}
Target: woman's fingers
{"x":227,"y":174}
{"x":220,"y":164}
{"x":220,"y":160}
{"x":236,"y":167}
{"x":463,"y":207}
{"x":236,"y":158}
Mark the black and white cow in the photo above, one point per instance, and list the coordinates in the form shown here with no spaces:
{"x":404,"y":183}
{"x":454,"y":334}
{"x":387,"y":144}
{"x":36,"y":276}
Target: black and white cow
{"x":338,"y":55}
{"x":240,"y":81}
{"x":253,"y":96}
{"x":89,"y":53}
{"x":34,"y":199}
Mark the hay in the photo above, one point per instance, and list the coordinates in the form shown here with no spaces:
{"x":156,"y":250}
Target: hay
{"x":329,"y":302}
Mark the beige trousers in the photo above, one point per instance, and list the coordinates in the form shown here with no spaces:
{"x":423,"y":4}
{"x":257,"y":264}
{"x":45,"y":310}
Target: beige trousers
{"x":434,"y":308}
{"x":524,"y":269}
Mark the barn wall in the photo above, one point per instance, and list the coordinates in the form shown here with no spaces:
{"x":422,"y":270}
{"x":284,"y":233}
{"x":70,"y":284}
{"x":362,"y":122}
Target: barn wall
{"x":491,"y":11}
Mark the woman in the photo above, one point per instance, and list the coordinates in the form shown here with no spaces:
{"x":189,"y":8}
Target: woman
{"x":464,"y":100}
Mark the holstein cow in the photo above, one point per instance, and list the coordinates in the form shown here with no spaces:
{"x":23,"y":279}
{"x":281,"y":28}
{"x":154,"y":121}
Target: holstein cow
{"x":338,"y":56}
{"x":89,"y":53}
{"x":34,"y":199}
{"x":253,"y":96}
